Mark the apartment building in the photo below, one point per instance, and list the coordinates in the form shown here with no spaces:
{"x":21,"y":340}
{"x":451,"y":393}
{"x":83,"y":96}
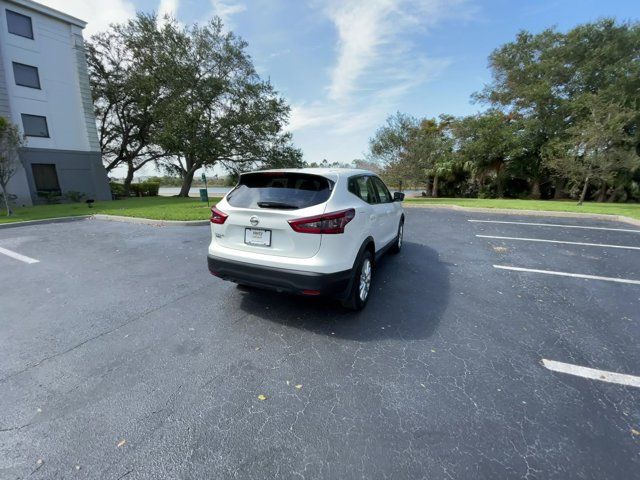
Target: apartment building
{"x":44,"y":89}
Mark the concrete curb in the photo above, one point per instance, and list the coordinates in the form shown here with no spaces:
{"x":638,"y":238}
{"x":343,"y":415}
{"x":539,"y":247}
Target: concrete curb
{"x":533,"y":213}
{"x":26,"y":223}
{"x":108,"y":218}
{"x":149,"y":221}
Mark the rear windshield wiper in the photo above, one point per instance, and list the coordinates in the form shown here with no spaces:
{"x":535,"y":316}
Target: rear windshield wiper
{"x":277,"y":205}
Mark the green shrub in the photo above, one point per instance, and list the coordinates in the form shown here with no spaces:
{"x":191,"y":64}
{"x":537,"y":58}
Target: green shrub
{"x":151,"y":188}
{"x":75,"y":196}
{"x":137,"y":189}
{"x":117,"y":189}
{"x":50,"y":197}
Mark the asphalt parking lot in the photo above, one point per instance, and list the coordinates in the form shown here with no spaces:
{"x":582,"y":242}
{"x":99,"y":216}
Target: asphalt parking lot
{"x":122,"y":357}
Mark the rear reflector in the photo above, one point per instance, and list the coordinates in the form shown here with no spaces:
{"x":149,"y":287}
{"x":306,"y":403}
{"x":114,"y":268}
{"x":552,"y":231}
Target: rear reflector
{"x":218,"y":216}
{"x":329,"y":223}
{"x":311,"y":292}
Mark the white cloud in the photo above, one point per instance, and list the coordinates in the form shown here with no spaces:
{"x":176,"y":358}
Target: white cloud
{"x":372,"y":37}
{"x":168,"y":7}
{"x":225,"y":9}
{"x":377,"y":63}
{"x":97,"y":13}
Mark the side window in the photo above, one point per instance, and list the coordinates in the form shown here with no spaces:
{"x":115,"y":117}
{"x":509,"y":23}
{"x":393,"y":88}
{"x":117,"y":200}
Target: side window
{"x":19,"y":24}
{"x":26,"y":75}
{"x":383,"y":191}
{"x":35,"y":125}
{"x":363,"y":188}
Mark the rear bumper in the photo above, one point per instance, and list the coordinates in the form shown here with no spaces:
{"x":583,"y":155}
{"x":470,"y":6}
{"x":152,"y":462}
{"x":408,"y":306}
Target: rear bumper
{"x":280,"y":279}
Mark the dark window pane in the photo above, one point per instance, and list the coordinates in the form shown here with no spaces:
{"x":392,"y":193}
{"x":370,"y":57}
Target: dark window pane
{"x":45,"y":178}
{"x":363,"y":187}
{"x":35,"y":125}
{"x":19,"y":24}
{"x":26,"y":75}
{"x":280,"y":190}
{"x":383,"y":191}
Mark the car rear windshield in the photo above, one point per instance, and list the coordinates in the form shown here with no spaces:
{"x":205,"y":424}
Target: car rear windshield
{"x":285,"y":190}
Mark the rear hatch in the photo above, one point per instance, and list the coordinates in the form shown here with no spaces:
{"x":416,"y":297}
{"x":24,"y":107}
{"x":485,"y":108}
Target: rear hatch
{"x":267,"y":201}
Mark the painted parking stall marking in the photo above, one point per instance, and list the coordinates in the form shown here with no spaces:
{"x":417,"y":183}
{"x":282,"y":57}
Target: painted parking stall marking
{"x":555,"y":225}
{"x":592,"y":373}
{"x":17,"y":256}
{"x":568,"y":274}
{"x":601,"y":245}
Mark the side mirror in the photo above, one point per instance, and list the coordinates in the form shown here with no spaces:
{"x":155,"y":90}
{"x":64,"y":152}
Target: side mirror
{"x":398,"y":196}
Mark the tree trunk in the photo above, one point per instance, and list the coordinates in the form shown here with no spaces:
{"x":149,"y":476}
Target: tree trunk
{"x":500,"y":186}
{"x":5,"y":196}
{"x":187,"y":179}
{"x":535,"y":189}
{"x":602,"y":193}
{"x":584,"y":190}
{"x":434,"y":191}
{"x":128,"y":179}
{"x":560,"y":192}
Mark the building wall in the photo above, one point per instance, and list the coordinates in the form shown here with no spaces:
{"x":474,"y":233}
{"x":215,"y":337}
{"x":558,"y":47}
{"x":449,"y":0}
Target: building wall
{"x":57,"y":50}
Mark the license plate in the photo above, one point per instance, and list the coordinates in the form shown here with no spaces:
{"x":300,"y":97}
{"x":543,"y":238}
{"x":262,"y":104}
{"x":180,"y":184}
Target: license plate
{"x":257,"y":236}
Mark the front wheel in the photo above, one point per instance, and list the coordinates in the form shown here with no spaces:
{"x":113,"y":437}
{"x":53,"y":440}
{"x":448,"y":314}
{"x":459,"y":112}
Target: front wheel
{"x":361,"y":288}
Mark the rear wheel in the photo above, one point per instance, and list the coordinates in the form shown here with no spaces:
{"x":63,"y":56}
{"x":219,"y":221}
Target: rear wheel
{"x":397,"y":244}
{"x":361,"y":288}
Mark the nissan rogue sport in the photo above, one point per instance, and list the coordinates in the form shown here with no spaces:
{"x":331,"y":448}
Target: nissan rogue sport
{"x":309,"y":231}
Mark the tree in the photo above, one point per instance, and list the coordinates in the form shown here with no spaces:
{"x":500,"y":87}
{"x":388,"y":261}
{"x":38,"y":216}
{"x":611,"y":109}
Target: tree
{"x":126,"y":96}
{"x":487,"y":144}
{"x":390,"y":145}
{"x":539,"y":79}
{"x":10,"y":142}
{"x":526,"y":75}
{"x":599,"y":147}
{"x":214,"y":107}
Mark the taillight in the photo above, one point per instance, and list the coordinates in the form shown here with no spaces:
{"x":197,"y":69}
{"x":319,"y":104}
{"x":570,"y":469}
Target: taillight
{"x":218,"y":216}
{"x":328,"y":223}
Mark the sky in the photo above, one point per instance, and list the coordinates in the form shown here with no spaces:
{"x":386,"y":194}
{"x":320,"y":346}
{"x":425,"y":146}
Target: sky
{"x":345,"y":65}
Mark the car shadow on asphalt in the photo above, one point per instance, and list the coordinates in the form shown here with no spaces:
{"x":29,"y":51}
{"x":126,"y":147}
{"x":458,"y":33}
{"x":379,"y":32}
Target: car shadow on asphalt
{"x":410,"y":295}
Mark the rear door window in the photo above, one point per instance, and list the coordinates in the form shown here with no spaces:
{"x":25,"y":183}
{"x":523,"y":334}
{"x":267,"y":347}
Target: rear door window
{"x":362,"y":187}
{"x":280,"y":190}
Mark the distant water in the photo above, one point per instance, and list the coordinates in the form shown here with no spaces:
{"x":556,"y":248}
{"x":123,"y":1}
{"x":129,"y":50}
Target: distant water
{"x":194,"y":192}
{"x":220,"y":191}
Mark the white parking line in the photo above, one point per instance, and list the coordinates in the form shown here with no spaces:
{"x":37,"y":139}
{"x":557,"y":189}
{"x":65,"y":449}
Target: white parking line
{"x":592,"y":373}
{"x":602,"y":245}
{"x":17,"y":256}
{"x":566,"y":274}
{"x":555,"y":225}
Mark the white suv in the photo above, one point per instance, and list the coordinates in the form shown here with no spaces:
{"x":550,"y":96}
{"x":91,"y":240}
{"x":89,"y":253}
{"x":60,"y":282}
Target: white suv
{"x":311,"y":231}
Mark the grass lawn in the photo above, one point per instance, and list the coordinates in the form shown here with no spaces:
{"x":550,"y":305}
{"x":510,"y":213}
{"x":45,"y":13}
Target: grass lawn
{"x":173,"y":208}
{"x":157,"y":208}
{"x":627,"y":209}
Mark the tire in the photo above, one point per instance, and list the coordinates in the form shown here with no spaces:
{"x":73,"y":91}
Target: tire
{"x":361,"y":288}
{"x":397,"y":244}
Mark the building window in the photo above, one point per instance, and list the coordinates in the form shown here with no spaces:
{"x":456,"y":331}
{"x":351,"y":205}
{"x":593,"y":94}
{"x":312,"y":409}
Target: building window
{"x":45,"y":178}
{"x":26,"y":75}
{"x":19,"y":24}
{"x":35,"y":125}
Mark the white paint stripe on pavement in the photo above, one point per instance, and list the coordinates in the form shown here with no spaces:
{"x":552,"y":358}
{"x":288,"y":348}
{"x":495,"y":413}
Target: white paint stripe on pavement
{"x":592,"y":373}
{"x":566,"y":274}
{"x":555,"y":225}
{"x":17,"y":256}
{"x":602,"y":245}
